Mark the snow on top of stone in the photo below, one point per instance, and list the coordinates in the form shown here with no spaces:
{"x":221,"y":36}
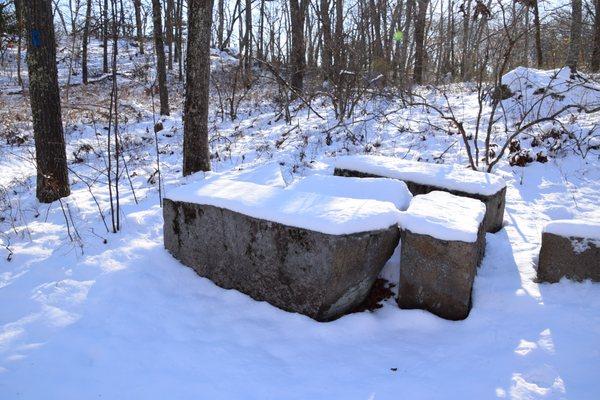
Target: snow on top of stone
{"x":574,"y":228}
{"x":267,"y":174}
{"x":381,"y":189}
{"x":316,"y":212}
{"x":445,"y":176}
{"x":444,"y":216}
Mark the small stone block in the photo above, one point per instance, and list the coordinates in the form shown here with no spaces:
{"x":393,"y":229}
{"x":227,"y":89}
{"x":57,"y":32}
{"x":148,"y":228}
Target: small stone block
{"x":422,"y":178}
{"x":442,"y":244}
{"x":570,"y":249}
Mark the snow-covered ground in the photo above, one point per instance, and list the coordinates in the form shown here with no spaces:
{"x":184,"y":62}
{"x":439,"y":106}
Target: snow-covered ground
{"x":114,"y":316}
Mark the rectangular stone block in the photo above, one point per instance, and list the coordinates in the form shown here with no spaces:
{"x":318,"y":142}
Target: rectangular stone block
{"x":422,"y":178}
{"x":570,"y":249}
{"x":320,"y":274}
{"x":443,"y":243}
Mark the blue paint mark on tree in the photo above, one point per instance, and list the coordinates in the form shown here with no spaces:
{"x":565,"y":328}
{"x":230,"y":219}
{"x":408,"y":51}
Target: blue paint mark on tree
{"x":36,"y":38}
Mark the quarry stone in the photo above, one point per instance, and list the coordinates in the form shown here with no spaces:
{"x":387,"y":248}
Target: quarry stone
{"x":575,"y":258}
{"x":494,"y":204}
{"x":437,"y":275}
{"x":319,"y":275}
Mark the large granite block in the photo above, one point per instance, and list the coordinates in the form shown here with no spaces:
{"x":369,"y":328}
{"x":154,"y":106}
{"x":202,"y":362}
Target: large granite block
{"x":319,"y":274}
{"x":443,"y":243}
{"x":422,"y":178}
{"x":570,"y":249}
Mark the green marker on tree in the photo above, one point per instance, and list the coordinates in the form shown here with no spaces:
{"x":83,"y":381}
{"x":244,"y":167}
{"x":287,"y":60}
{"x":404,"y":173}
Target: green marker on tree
{"x":398,"y":36}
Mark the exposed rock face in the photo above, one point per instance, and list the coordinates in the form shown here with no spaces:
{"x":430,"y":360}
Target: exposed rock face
{"x":571,"y":257}
{"x":494,"y":204}
{"x":437,"y":275}
{"x":312,"y":273}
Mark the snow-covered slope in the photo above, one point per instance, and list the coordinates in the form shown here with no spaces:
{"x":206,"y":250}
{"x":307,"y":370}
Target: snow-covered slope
{"x":539,"y":93}
{"x":114,"y":316}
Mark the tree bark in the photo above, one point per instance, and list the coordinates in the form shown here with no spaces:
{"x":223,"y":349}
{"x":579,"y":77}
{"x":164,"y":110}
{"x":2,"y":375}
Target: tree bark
{"x":595,"y":64}
{"x":221,"y":26}
{"x":327,"y":54}
{"x":180,"y":38}
{"x":160,"y":58}
{"x":465,"y":40}
{"x":137,"y":5}
{"x":376,"y":44}
{"x":297,"y":56}
{"x":420,"y":41}
{"x":260,"y":51}
{"x":410,"y":4}
{"x":575,"y":39}
{"x":19,"y":16}
{"x":538,"y":34}
{"x":105,"y":37}
{"x":169,"y":32}
{"x":51,"y":158}
{"x":196,"y":152}
{"x":84,"y":43}
{"x":248,"y":43}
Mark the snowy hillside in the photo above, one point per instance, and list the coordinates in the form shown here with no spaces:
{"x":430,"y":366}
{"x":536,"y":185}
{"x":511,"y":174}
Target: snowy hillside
{"x":85,"y":313}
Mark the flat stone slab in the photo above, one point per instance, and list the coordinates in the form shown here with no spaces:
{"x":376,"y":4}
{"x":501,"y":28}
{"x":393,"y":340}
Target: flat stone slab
{"x":303,"y":252}
{"x":571,"y":249}
{"x":381,"y":189}
{"x":422,"y":178}
{"x":443,"y":243}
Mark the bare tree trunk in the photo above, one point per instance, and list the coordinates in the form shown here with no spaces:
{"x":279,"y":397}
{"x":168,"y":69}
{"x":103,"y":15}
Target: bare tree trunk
{"x":196,"y":152}
{"x":538,"y":34}
{"x":180,"y":38}
{"x":51,"y":158}
{"x":260,"y":53}
{"x":19,"y":16}
{"x":221,"y":26}
{"x":448,"y":54}
{"x":310,"y":46}
{"x":105,"y":37}
{"x":248,"y":43}
{"x":61,"y":16}
{"x":122,"y":18}
{"x":595,"y":64}
{"x":466,"y":9}
{"x":84,"y":40}
{"x":525,"y":39}
{"x":575,"y":39}
{"x":169,"y":32}
{"x":377,"y":45}
{"x":327,"y":54}
{"x":420,"y":41}
{"x":115,"y":103}
{"x":161,"y":71}
{"x":297,"y":56}
{"x":410,"y":4}
{"x":176,"y":31}
{"x":339,"y":55}
{"x":137,"y":4}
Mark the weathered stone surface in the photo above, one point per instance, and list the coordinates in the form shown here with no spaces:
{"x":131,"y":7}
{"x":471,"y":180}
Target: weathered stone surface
{"x":312,"y":273}
{"x":571,"y":257}
{"x":437,"y":275}
{"x":494,"y":204}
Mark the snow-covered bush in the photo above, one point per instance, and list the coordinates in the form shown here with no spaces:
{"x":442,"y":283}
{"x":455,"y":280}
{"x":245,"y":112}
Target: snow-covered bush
{"x":534,"y":93}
